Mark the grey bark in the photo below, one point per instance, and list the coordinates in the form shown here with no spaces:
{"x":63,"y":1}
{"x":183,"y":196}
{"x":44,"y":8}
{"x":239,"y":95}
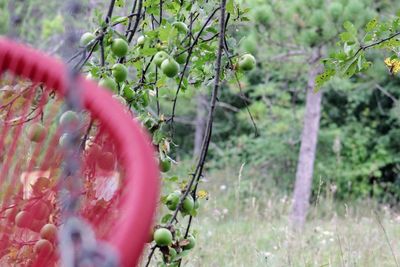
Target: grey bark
{"x":200,"y":123}
{"x":309,"y":139}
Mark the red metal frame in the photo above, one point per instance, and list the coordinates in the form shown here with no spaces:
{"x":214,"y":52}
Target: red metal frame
{"x":139,"y":201}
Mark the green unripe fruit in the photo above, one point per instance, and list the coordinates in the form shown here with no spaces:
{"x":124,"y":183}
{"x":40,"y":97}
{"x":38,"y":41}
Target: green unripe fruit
{"x":170,"y":67}
{"x":162,"y":237}
{"x":159,"y":58}
{"x":173,"y":200}
{"x":69,"y":118}
{"x":165,"y":165}
{"x":180,"y":26}
{"x":36,"y":132}
{"x":192,"y":243}
{"x":128,"y":93}
{"x":196,"y":204}
{"x":86,"y":38}
{"x":141,"y":40}
{"x":120,"y":72}
{"x":247,"y":62}
{"x":119,"y":47}
{"x":108,"y":83}
{"x":188,"y":205}
{"x":181,"y":58}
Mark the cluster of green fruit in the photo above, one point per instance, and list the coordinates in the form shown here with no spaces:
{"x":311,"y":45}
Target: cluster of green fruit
{"x":188,"y":204}
{"x":171,"y":249}
{"x":168,"y":65}
{"x":68,"y":120}
{"x":119,"y":47}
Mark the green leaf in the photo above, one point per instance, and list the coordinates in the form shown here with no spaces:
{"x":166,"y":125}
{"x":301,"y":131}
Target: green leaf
{"x":371,"y":25}
{"x":120,"y":3}
{"x":322,"y":78}
{"x":350,"y":28}
{"x":167,"y":32}
{"x":172,"y":179}
{"x":346,"y":37}
{"x":230,"y":6}
{"x":148,"y":51}
{"x":166,"y":218}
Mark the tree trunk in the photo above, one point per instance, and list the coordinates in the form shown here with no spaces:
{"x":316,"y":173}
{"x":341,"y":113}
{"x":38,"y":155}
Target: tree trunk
{"x":200,"y":124}
{"x":309,"y":139}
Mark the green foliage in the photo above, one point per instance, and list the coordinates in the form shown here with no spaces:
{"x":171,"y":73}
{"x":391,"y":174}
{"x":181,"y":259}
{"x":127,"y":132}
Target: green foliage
{"x":357,"y":149}
{"x":52,"y":26}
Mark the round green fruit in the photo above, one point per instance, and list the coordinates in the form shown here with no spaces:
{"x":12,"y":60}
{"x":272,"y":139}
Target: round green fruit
{"x":141,"y":40}
{"x":192,"y":243}
{"x":188,"y":205}
{"x":180,"y":26}
{"x":119,"y":47}
{"x":170,"y":67}
{"x":159,"y":58}
{"x":108,"y":83}
{"x":163,"y":237}
{"x":86,"y":38}
{"x":128,"y":93}
{"x":37,"y":132}
{"x":120,"y":72}
{"x":165,"y":165}
{"x":173,"y":200}
{"x":69,"y":118}
{"x":181,"y":58}
{"x":247,"y":62}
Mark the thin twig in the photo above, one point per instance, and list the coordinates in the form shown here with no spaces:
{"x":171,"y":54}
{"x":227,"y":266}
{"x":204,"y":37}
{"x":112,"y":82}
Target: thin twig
{"x":208,"y":132}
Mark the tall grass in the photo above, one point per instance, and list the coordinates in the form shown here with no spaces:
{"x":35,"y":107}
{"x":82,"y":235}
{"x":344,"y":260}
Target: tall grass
{"x":242,"y":226}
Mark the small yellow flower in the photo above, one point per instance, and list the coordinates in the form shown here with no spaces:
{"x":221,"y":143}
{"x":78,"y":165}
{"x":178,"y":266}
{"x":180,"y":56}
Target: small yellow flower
{"x":393,"y":65}
{"x":202,"y":194}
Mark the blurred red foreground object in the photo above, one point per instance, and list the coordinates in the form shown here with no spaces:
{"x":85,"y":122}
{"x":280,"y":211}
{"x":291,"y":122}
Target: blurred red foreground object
{"x":119,"y":172}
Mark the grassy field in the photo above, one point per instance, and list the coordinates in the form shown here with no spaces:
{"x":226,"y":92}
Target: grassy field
{"x":236,"y":229}
{"x":245,"y":224}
